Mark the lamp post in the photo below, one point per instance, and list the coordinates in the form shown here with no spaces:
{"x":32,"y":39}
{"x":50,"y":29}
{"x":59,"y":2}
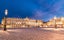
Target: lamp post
{"x":55,"y":21}
{"x":6,"y":13}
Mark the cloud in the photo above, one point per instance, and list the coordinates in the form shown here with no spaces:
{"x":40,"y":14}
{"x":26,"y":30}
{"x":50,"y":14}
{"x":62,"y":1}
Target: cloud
{"x":40,"y":15}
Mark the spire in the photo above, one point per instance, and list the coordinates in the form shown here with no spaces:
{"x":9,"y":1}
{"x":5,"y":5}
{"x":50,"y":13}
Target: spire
{"x":55,"y":17}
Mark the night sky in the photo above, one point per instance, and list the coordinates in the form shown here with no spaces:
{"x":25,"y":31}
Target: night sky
{"x":36,"y":9}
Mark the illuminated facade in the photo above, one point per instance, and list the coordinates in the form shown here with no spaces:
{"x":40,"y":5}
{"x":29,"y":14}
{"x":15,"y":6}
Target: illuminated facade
{"x":30,"y":23}
{"x":58,"y":22}
{"x":22,"y":23}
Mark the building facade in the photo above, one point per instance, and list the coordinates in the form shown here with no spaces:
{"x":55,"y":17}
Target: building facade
{"x":30,"y":23}
{"x":21,"y":23}
{"x":58,"y":22}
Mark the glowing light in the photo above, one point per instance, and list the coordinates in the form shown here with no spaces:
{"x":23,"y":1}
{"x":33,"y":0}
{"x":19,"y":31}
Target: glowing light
{"x":46,"y":26}
{"x":55,"y":17}
{"x":59,"y":23}
{"x":62,"y":18}
{"x":6,"y":12}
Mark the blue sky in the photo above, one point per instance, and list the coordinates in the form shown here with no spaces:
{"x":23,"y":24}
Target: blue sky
{"x":36,"y":9}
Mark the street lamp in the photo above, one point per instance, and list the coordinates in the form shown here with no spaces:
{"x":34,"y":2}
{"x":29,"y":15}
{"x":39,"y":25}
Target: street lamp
{"x":55,"y":21}
{"x":6,"y":13}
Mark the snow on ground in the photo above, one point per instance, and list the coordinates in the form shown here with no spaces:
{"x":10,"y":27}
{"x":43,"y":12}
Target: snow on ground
{"x":31,"y":34}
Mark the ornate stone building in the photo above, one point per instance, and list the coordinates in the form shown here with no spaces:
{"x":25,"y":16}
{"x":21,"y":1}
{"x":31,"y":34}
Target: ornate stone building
{"x":22,"y":23}
{"x":30,"y":23}
{"x":56,"y":22}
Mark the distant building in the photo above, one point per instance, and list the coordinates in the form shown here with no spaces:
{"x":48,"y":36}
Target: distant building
{"x":30,"y":23}
{"x":22,"y":23}
{"x":58,"y":22}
